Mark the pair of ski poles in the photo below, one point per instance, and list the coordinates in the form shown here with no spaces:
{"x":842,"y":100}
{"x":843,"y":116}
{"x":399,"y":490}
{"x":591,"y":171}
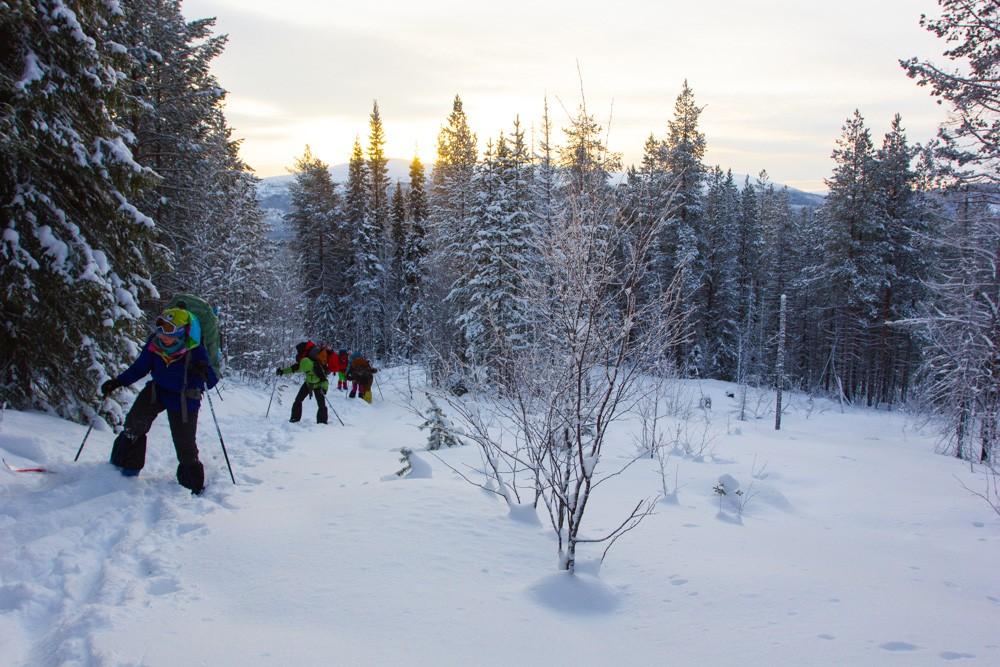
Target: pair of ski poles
{"x":214,"y":419}
{"x":266,"y":414}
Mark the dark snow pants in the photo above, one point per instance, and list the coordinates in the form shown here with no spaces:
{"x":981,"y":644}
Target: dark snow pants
{"x":321,"y":413}
{"x":129,"y":450}
{"x":361,"y":383}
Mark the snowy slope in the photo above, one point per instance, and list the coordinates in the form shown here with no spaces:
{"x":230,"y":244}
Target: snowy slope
{"x":858,"y":546}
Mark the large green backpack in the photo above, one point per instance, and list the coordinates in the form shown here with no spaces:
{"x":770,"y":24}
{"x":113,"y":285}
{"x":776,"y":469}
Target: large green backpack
{"x":205,"y":328}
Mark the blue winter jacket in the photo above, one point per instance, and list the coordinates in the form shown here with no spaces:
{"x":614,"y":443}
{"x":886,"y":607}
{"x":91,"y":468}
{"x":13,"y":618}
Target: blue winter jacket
{"x":192,"y":371}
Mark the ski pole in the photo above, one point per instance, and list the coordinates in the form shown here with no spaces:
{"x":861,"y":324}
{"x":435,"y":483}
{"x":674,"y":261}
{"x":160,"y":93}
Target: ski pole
{"x":334,"y":410}
{"x":381,"y":397}
{"x":87,"y":434}
{"x":219,"y":431}
{"x":272,"y":398}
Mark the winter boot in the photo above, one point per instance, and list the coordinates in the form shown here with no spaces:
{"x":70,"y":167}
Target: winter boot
{"x":129,"y":453}
{"x":192,"y":476}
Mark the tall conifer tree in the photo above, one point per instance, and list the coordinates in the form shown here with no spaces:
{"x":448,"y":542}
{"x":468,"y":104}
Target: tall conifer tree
{"x":684,"y":153}
{"x":415,"y":261}
{"x":75,"y":250}
{"x":451,"y":199}
{"x":314,"y":217}
{"x":371,"y":259}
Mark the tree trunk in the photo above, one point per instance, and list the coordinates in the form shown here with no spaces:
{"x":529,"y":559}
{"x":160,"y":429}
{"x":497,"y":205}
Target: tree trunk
{"x":780,"y":365}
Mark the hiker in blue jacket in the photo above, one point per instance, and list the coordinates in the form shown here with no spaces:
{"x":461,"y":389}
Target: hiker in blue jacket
{"x":181,"y":372}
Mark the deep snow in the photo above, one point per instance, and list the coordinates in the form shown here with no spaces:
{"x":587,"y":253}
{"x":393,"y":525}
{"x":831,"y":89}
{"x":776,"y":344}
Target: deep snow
{"x":858,"y":545}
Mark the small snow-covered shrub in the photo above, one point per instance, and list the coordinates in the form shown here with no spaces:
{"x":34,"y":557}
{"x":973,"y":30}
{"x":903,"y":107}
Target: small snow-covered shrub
{"x":440,"y":431}
{"x":404,"y":458}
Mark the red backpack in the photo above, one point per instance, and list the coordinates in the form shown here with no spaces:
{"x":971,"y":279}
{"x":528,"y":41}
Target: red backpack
{"x":342,"y":358}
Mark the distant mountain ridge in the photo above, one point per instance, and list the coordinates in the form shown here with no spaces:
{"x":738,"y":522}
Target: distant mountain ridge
{"x":276,"y":201}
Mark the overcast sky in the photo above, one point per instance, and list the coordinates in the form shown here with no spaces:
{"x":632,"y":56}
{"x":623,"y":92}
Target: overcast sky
{"x":777,"y":78}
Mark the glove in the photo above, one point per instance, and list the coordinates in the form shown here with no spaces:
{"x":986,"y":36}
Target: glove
{"x":200,"y":369}
{"x":109,"y":386}
{"x":280,"y":372}
{"x":325,"y":385}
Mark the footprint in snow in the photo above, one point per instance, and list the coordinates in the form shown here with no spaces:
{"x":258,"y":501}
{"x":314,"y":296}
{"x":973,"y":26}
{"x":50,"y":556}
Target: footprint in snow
{"x":955,"y":655}
{"x":185,"y":528}
{"x":163,"y":586}
{"x":899,"y":646}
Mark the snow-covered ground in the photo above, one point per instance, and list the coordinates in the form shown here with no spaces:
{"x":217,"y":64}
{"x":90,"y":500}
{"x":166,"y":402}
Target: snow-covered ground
{"x":858,"y":545}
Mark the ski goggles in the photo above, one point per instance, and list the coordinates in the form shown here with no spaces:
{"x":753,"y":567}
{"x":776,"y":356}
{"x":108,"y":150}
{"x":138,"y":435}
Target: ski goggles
{"x":168,"y":328}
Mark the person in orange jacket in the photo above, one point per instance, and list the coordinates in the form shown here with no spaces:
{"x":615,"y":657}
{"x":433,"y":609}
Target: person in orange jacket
{"x":361,"y":374}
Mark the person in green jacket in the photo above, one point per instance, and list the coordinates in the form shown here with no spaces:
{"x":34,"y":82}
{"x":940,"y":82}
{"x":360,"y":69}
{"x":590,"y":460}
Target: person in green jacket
{"x":315,"y":382}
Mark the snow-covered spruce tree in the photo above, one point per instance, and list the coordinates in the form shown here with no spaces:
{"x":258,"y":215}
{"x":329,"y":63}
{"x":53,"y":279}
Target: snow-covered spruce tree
{"x":177,"y":129}
{"x":854,"y":268}
{"x":497,"y":320}
{"x":585,"y":191}
{"x":720,"y":296}
{"x":684,"y":152}
{"x":415,"y":262}
{"x":873,"y":220}
{"x":370,"y":297}
{"x":449,"y":228}
{"x":963,"y":327}
{"x":477,"y":319}
{"x":520,"y":237}
{"x":440,"y":432}
{"x":353,"y":220}
{"x":76,"y":251}
{"x":895,"y":354}
{"x":545,"y":179}
{"x":273,"y":308}
{"x":240,"y":274}
{"x":394,"y":304}
{"x":646,"y":200}
{"x":205,"y":201}
{"x":781,"y":264}
{"x":806,"y":356}
{"x":586,"y":166}
{"x":314,"y":216}
{"x":751,"y":247}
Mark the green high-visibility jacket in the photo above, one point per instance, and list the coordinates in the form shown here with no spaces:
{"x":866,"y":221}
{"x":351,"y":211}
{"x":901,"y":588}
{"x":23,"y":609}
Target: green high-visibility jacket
{"x":307,"y":366}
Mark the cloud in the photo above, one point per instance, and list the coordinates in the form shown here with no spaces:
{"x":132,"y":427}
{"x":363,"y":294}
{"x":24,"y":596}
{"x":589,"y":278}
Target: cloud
{"x":243,"y":106}
{"x":778,"y":77}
